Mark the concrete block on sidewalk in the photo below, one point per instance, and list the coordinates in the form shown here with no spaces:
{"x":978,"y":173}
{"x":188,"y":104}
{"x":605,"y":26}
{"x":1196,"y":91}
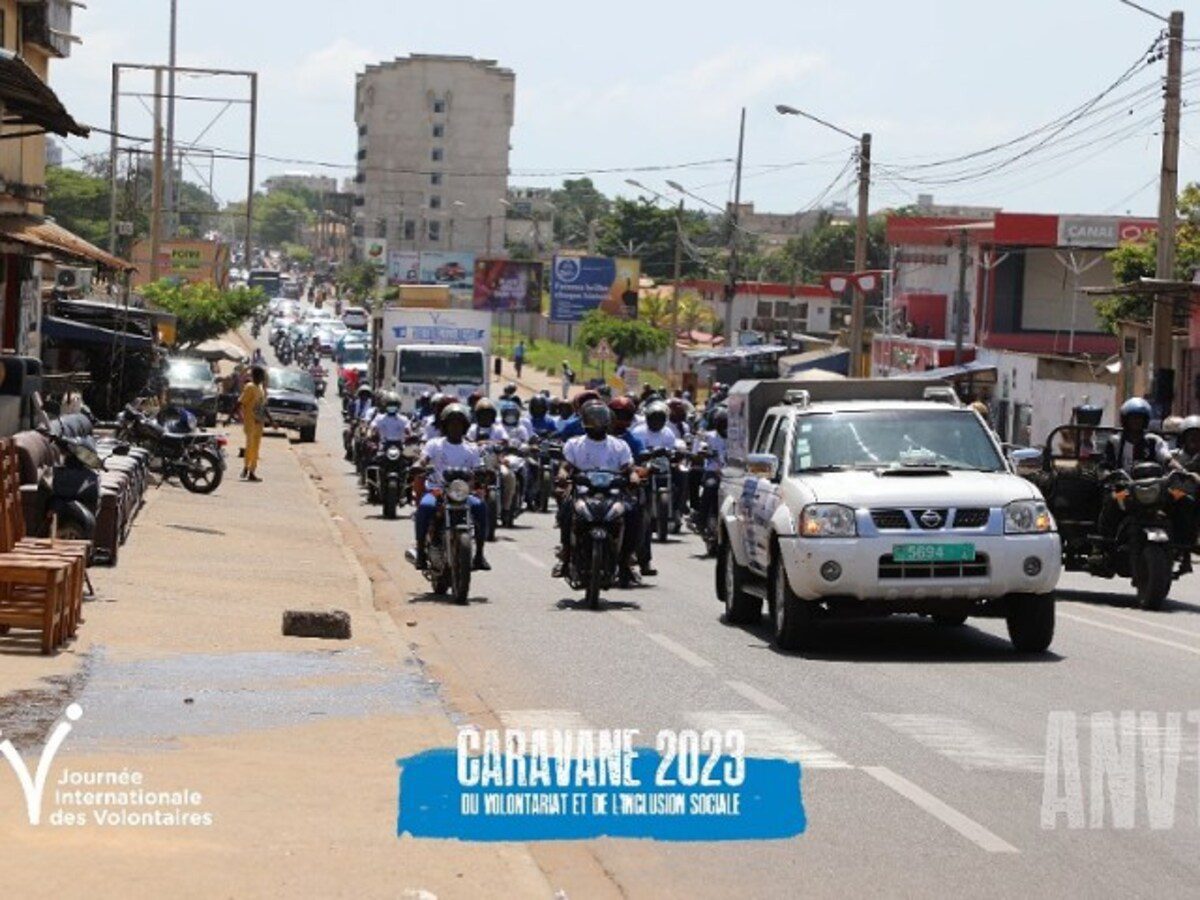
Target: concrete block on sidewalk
{"x":333,"y":624}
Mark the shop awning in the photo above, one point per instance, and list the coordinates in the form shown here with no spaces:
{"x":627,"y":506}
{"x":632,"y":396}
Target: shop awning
{"x":66,"y":330}
{"x":28,"y":100}
{"x":45,"y":235}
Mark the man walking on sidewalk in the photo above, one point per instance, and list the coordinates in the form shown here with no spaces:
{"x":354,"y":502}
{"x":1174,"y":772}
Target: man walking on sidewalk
{"x":519,"y":357}
{"x":254,"y":416}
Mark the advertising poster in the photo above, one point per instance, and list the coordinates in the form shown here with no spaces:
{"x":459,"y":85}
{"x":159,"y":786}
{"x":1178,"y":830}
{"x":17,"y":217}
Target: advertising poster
{"x":403,"y":267}
{"x":450,"y":268}
{"x":185,"y":261}
{"x":579,"y":284}
{"x":375,"y":251}
{"x":504,"y":285}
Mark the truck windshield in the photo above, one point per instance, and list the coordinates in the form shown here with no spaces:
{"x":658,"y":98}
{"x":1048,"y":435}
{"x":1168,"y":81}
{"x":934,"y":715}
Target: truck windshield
{"x":894,"y":438}
{"x":442,"y":366}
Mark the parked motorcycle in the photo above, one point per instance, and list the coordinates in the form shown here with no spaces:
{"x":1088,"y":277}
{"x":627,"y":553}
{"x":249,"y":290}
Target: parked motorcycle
{"x":597,"y":532}
{"x":451,"y":542}
{"x":196,"y":458}
{"x":75,"y":488}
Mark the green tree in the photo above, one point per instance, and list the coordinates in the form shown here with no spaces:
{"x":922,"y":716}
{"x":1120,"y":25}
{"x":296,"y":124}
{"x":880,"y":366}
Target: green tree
{"x":577,"y":205}
{"x":358,"y":279}
{"x":1133,"y":261}
{"x":78,"y":202}
{"x":627,"y":337}
{"x":279,"y":216}
{"x":204,"y":311}
{"x":639,"y":228}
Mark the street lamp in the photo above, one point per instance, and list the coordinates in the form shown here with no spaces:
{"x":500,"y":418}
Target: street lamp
{"x":858,"y":311}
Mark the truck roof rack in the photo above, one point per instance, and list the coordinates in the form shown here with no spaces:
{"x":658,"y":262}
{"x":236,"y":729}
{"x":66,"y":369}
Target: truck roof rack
{"x":942,"y":393}
{"x":797,"y":398}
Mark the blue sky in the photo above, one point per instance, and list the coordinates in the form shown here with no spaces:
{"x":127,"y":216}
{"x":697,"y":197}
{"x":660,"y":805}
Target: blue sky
{"x":625,"y":84}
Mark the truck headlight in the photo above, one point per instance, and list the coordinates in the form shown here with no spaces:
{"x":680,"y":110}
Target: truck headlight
{"x":827,"y":520}
{"x":1027,"y":517}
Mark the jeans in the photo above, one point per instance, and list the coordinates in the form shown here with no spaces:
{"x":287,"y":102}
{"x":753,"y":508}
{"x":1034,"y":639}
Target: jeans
{"x":423,"y":517}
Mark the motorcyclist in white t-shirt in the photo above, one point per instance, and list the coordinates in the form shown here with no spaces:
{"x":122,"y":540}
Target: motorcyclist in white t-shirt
{"x":449,"y":451}
{"x":594,"y":450}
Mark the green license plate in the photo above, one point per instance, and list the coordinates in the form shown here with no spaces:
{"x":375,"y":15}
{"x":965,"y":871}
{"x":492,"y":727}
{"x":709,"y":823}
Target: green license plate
{"x":930,"y":553}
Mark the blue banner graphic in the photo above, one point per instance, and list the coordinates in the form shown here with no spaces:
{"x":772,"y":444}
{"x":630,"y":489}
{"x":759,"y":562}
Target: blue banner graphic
{"x":579,"y":284}
{"x":576,"y":802}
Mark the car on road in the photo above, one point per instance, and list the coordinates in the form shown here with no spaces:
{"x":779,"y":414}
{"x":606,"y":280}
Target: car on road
{"x":450,"y":271}
{"x":356,"y":317}
{"x":292,"y":401}
{"x":191,"y":385}
{"x":850,"y":498}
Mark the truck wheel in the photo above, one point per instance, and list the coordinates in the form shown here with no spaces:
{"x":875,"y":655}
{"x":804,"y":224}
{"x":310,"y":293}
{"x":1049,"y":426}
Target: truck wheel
{"x":308,"y":434}
{"x":792,"y":619}
{"x":1031,"y":622}
{"x":740,"y":608}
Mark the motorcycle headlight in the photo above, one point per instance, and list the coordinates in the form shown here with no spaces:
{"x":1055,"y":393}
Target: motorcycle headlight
{"x":458,"y":490}
{"x":827,"y":520}
{"x":1027,"y":517}
{"x":1148,"y":494}
{"x":393,"y":453}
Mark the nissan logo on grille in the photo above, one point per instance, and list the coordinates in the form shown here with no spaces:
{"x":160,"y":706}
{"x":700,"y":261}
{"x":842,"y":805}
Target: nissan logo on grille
{"x":930,"y":519}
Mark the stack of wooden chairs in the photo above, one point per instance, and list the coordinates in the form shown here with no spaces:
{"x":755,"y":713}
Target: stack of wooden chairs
{"x":41,"y":579}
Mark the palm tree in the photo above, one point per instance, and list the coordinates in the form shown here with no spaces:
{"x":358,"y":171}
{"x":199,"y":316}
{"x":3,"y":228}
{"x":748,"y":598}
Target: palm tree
{"x":694,"y":313}
{"x":655,"y":309}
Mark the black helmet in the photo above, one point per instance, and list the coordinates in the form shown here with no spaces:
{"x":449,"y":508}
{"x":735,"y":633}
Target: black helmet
{"x":364,"y":390}
{"x":485,"y":413}
{"x":656,"y":415}
{"x":720,"y":420}
{"x":595,"y":416}
{"x":1136,"y":406}
{"x":537,"y":405}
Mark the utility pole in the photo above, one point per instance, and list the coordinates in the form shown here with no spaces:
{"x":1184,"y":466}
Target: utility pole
{"x":250,"y":165}
{"x":731,"y":285}
{"x":960,"y":299}
{"x":156,"y":186}
{"x":858,"y":310}
{"x":675,"y":292}
{"x":1168,"y":190}
{"x":171,"y":188}
{"x":113,"y":128}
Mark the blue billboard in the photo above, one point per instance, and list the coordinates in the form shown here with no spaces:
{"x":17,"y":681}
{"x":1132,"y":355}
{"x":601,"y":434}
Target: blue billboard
{"x":579,"y":284}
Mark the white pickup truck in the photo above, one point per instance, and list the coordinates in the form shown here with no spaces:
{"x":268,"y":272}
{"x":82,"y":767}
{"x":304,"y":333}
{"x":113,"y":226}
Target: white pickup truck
{"x":850,"y":497}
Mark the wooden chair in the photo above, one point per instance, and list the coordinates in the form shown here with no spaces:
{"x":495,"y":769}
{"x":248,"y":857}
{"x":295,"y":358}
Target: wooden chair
{"x":41,"y":587}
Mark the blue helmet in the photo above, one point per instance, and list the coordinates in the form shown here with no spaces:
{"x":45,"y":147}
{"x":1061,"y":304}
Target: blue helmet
{"x":510,"y":412}
{"x":1136,"y":406}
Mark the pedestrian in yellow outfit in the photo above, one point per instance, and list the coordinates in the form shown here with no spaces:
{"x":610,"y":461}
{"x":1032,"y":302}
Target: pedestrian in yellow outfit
{"x":254,"y":416}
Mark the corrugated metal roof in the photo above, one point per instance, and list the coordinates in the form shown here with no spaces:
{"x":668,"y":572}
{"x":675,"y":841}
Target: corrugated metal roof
{"x":46,"y":235}
{"x":27,"y":100}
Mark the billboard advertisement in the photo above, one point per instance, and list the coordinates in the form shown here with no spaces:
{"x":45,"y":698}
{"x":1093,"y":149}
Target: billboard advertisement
{"x":404,"y":267}
{"x":184,"y":261}
{"x":375,"y":251}
{"x":450,"y":268}
{"x":579,"y":284}
{"x":507,"y":285}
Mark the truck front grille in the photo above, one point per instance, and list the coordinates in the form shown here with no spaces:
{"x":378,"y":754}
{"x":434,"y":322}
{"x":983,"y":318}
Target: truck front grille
{"x":890,"y":570}
{"x":890,"y":519}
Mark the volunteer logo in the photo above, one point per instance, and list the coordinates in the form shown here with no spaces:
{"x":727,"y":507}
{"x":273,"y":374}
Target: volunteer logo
{"x":35,"y":786}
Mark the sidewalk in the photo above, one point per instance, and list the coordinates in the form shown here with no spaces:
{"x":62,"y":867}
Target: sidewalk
{"x":182,"y":676}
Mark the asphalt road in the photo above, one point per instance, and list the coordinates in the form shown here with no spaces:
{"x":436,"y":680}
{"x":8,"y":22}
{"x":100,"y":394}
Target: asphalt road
{"x":923,"y":748}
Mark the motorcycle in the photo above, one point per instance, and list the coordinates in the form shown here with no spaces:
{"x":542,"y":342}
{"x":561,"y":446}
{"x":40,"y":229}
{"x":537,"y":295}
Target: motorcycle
{"x":386,"y":477}
{"x":489,"y":482}
{"x":710,"y":483}
{"x":255,"y":329}
{"x":320,"y":380}
{"x":196,"y":458}
{"x":75,"y":488}
{"x":549,"y":458}
{"x":451,"y":541}
{"x":597,"y":532}
{"x":513,"y":460}
{"x":283,"y":351}
{"x":1142,"y":549}
{"x":659,"y":492}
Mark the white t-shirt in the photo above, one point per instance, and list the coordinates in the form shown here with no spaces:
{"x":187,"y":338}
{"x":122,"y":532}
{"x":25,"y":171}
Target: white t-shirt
{"x":518,"y":434}
{"x":680,"y":428}
{"x":390,"y":428}
{"x":611,"y":454}
{"x":714,"y":441}
{"x":664,"y":439}
{"x":494,"y":433}
{"x":443,"y":455}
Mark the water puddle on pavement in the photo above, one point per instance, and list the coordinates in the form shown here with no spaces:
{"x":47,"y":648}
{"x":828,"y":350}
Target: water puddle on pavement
{"x":151,"y":703}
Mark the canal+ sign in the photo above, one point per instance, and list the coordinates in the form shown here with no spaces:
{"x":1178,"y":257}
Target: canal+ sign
{"x":1102,"y":231}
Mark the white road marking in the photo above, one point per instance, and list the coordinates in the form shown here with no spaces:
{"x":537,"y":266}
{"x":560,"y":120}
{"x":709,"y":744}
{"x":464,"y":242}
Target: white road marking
{"x":757,"y":697}
{"x":1131,"y":633}
{"x":531,"y":559}
{"x":692,"y":659}
{"x":627,"y":617}
{"x":962,"y":742}
{"x":948,"y":815}
{"x":1143,"y":621}
{"x":769,"y":736}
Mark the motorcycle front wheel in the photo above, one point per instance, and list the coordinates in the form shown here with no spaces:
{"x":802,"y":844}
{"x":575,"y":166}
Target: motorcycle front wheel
{"x":202,"y":473}
{"x":595,"y":577}
{"x":460,"y":567}
{"x":1152,"y":576}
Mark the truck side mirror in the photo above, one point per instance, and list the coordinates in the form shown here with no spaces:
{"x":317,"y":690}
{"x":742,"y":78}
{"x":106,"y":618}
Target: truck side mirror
{"x":762,"y":465}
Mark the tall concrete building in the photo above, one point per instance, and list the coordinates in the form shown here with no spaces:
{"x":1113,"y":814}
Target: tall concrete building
{"x":433,"y":142}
